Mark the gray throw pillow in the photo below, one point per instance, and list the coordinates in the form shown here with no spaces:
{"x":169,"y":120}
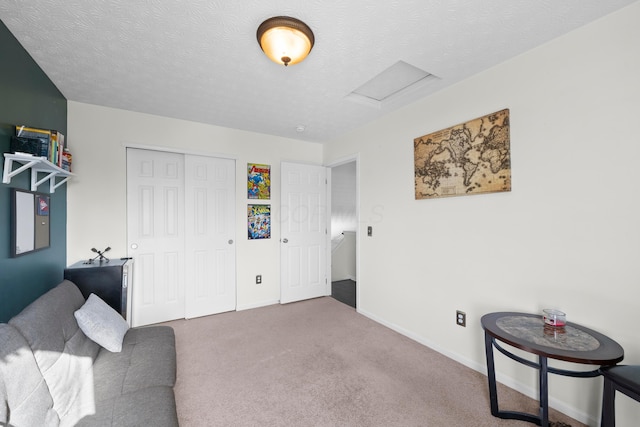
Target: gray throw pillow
{"x":101,"y":323}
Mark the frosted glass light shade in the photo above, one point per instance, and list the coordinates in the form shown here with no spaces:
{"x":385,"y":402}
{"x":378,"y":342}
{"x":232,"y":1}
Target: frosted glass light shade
{"x":285,"y":40}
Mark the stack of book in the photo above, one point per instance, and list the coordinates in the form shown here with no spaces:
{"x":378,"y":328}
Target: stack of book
{"x":48,"y":144}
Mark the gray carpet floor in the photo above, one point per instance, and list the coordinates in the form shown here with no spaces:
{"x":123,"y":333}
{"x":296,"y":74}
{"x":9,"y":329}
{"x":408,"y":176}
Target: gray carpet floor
{"x":320,"y":363}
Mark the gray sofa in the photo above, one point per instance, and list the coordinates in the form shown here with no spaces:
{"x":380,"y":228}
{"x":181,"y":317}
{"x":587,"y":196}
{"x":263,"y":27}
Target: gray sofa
{"x":51,"y":374}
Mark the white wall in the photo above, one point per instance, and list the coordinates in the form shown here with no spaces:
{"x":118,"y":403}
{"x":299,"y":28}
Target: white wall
{"x":97,"y":195}
{"x":566,"y":236}
{"x":343,"y":258}
{"x":343,"y":199}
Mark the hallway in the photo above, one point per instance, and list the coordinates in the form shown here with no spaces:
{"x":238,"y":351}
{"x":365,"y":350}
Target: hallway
{"x":344,"y":291}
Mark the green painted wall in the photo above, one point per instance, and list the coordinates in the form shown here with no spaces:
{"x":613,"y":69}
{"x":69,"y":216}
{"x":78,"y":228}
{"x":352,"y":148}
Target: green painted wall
{"x":28,"y":97}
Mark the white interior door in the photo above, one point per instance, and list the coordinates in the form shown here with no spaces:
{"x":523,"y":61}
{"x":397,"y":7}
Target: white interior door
{"x":155,"y":234}
{"x":210,"y":236}
{"x":303,"y":225}
{"x":180,"y":231}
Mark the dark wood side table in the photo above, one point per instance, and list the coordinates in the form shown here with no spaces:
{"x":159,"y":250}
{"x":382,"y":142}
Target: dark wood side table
{"x":528,"y":332}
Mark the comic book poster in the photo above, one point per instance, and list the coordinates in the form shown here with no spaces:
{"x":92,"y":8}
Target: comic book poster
{"x":42,"y":203}
{"x":259,"y":221}
{"x":258,"y":181}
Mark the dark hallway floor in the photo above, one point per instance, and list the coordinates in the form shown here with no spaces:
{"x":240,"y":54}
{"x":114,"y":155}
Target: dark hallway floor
{"x":344,"y":291}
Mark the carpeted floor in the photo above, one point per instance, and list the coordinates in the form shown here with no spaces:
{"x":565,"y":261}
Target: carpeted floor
{"x":320,"y":363}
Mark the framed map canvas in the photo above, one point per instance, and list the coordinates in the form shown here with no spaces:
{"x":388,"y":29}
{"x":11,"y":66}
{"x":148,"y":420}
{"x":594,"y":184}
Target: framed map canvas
{"x":258,"y":181}
{"x":469,"y":158}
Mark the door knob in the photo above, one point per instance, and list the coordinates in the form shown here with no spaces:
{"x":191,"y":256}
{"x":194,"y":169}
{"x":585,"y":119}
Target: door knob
{"x":231,"y":241}
{"x":285,"y":240}
{"x":134,"y":246}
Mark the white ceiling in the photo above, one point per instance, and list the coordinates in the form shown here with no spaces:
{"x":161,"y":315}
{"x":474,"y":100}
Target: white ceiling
{"x":199,"y":59}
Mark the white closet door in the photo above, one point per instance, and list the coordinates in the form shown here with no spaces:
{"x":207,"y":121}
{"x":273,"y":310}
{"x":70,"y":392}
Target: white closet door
{"x":155,"y":234}
{"x":181,"y":234}
{"x":209,"y":236}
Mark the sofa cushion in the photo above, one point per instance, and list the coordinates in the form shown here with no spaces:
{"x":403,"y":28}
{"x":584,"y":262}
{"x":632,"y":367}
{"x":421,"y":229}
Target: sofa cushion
{"x":62,"y":351}
{"x":147,"y":359}
{"x":24,"y":396}
{"x":153,"y":406}
{"x":102,"y":323}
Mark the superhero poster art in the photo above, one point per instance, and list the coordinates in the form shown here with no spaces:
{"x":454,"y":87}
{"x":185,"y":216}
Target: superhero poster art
{"x":259,"y":221}
{"x":258,"y":181}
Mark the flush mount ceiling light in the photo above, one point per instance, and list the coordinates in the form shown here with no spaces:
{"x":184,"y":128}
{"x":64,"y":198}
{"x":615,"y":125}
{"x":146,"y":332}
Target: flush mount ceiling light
{"x":285,"y":40}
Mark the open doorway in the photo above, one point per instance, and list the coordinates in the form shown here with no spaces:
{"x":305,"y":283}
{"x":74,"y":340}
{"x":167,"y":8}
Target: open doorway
{"x":344,"y":226}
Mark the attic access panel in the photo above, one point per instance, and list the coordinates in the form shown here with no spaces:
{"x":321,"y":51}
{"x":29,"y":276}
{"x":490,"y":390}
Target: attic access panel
{"x":391,"y":83}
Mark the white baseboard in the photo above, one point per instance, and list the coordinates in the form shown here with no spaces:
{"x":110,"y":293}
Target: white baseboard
{"x":482,"y":368}
{"x":256,"y":305}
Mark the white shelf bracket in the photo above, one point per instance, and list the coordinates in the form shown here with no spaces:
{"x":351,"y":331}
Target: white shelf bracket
{"x":34,"y":178}
{"x":7,"y":173}
{"x":53,"y":184}
{"x":37,"y":165}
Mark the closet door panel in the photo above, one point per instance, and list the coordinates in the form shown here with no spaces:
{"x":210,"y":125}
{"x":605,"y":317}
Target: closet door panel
{"x":210,"y":236}
{"x":155,"y":234}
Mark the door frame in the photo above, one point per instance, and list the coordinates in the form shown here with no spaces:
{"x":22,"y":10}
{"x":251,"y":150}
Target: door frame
{"x":338,"y":162}
{"x":177,"y":150}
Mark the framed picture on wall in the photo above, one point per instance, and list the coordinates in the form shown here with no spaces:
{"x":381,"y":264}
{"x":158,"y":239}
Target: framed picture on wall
{"x":473,"y":157}
{"x":259,"y":221}
{"x":258,"y":181}
{"x":30,"y":222}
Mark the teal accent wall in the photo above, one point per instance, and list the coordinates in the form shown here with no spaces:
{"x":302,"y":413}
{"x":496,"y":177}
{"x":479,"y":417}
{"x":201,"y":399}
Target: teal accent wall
{"x":28,"y":97}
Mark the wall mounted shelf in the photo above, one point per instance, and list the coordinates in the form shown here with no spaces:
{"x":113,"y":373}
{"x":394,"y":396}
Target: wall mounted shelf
{"x":55,"y":175}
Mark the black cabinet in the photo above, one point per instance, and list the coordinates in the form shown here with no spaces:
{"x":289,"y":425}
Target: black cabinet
{"x":108,"y":280}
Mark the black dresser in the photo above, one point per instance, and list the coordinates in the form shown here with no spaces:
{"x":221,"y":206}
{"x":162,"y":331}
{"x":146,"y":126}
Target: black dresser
{"x":111,"y":281}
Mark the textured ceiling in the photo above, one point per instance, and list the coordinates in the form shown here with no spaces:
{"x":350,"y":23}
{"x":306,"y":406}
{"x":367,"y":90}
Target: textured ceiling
{"x":199,"y":60}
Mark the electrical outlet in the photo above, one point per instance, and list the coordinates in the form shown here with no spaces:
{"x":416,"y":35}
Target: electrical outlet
{"x":461,"y":318}
{"x":258,"y":279}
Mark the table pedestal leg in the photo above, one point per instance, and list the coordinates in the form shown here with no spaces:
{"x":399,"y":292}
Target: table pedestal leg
{"x":543,"y":418}
{"x":491,"y":374}
{"x":544,"y":392}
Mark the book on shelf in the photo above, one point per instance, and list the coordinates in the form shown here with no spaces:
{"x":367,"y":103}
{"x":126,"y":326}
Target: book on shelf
{"x":66,"y":160}
{"x":24,"y":133}
{"x":29,"y":146}
{"x":61,"y":147}
{"x":57,"y":145}
{"x":51,"y":144}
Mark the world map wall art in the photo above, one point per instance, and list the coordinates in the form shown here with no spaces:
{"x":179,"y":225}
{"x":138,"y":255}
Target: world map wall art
{"x":469,"y":158}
